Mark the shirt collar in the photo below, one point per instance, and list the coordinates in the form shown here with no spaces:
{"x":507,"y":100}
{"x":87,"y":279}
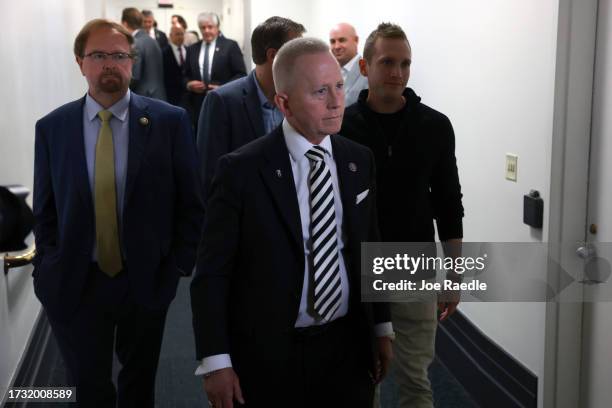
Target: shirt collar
{"x":349,"y":65}
{"x":119,"y":109}
{"x":263,"y":101}
{"x":298,"y":145}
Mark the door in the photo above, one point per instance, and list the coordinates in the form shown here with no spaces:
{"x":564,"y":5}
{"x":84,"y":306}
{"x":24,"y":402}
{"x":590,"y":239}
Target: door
{"x":596,"y":375}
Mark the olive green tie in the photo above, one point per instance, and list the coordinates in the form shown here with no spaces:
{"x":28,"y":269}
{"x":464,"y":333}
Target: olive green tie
{"x":107,"y":231}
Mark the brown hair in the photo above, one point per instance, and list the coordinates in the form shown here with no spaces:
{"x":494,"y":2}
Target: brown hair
{"x":81,"y":39}
{"x":384,"y":30}
{"x":132,"y":17}
{"x":272,"y":33}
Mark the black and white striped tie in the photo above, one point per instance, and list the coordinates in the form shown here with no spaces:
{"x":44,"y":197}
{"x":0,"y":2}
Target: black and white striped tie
{"x":325,"y":262}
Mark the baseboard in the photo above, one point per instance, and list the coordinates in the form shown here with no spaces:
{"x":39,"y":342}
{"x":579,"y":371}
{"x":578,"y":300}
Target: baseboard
{"x":38,"y":360}
{"x":491,"y":376}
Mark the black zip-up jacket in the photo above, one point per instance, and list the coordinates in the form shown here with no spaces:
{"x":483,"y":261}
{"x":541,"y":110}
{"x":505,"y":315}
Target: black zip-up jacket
{"x":417,"y":179}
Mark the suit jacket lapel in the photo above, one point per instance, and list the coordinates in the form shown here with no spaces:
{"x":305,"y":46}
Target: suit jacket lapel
{"x":278,"y":177}
{"x":216,"y":56}
{"x":77,"y":151}
{"x":252,"y":105}
{"x":139,"y":129}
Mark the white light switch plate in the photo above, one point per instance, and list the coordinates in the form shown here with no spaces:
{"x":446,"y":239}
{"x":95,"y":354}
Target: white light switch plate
{"x":511,"y":166}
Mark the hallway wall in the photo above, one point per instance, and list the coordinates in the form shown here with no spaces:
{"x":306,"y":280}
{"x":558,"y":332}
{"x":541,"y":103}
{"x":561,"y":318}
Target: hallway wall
{"x":39,"y":74}
{"x":489,"y":66}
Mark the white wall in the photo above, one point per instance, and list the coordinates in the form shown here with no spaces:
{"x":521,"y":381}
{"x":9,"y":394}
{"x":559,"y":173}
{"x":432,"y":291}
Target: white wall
{"x":39,"y":75}
{"x":488,"y":65}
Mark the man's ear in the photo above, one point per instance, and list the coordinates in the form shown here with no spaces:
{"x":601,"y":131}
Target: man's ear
{"x":270,"y":54}
{"x":363,"y":67}
{"x":79,"y":61}
{"x":282,"y":102}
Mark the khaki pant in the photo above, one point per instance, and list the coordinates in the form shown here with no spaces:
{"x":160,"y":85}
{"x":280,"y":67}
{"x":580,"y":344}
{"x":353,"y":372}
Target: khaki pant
{"x":415,"y":326}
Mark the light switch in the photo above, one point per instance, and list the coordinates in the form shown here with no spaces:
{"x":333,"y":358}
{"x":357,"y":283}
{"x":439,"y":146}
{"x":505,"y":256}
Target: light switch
{"x":511,"y":166}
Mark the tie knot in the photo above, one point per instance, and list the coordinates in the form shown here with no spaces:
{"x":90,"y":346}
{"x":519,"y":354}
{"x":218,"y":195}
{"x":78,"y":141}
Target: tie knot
{"x":105,"y":115}
{"x":315,"y":154}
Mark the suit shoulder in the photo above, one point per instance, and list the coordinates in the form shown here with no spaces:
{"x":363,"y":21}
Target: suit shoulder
{"x":159,"y":107}
{"x":231,"y":89}
{"x":60,"y":113}
{"x":352,"y":146}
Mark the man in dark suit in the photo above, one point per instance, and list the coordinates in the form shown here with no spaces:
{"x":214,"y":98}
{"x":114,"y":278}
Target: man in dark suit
{"x":211,"y":62}
{"x":148,"y":69}
{"x":149,"y":26}
{"x":174,"y":66}
{"x":118,"y":215}
{"x":244,"y":109}
{"x":418,"y":182}
{"x":278,"y":319}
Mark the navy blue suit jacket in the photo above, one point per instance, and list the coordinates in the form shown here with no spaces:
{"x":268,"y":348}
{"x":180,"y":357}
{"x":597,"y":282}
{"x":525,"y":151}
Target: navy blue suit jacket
{"x":227,"y":65}
{"x":162,"y":211}
{"x":231,"y":117}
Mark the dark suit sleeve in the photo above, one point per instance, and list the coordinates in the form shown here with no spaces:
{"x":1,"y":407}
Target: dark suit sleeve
{"x":137,"y":66}
{"x":236,"y":61}
{"x":445,"y":187}
{"x":189,"y":209}
{"x":217,"y":253}
{"x":380,"y":310}
{"x":45,"y":214}
{"x":213,"y":139}
{"x":190,"y":75}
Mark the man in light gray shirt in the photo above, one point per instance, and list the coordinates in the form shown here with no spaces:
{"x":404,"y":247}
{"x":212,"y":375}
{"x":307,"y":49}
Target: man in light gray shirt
{"x":343,"y":40}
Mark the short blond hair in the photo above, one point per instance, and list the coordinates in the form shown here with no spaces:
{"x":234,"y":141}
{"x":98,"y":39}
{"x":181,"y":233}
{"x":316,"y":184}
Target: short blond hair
{"x":284,"y":65}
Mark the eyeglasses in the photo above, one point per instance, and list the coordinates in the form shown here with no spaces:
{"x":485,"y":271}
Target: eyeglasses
{"x":117,"y":57}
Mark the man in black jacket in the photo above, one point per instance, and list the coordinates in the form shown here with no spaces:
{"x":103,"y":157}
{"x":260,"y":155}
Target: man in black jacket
{"x":417,"y":182}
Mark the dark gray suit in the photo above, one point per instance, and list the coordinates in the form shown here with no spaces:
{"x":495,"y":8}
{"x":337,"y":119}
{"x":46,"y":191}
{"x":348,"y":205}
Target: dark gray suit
{"x":148,"y":69}
{"x":231,"y":117}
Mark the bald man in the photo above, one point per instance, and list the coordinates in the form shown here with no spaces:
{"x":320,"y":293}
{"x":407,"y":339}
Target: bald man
{"x":343,"y":40}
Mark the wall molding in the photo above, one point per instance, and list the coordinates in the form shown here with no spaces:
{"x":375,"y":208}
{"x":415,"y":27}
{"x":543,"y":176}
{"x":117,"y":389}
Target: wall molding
{"x":491,"y":376}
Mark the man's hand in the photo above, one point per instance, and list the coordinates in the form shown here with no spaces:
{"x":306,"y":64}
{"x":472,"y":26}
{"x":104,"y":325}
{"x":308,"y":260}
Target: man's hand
{"x":385,"y":354}
{"x":212,"y":86}
{"x":448,"y":304}
{"x":222,"y":388}
{"x":196,"y":86}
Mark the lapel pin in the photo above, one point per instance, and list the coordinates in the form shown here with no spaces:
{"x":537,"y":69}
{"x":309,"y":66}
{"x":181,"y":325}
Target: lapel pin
{"x":352,"y":167}
{"x":143,"y":121}
{"x":279,"y":173}
{"x":217,"y":49}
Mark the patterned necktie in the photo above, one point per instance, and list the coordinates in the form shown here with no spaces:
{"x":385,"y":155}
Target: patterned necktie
{"x":107,"y":231}
{"x":205,"y":75}
{"x":323,"y":237}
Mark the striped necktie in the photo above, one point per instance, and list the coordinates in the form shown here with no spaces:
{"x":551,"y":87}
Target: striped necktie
{"x":105,"y":197}
{"x":323,"y":237}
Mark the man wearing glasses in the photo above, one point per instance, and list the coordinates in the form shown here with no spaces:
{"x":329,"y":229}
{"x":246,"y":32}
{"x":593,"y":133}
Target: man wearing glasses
{"x":118,"y":211}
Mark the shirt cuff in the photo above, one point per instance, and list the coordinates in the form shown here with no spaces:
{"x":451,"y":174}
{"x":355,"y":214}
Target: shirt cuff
{"x":383,"y":329}
{"x":213,"y":363}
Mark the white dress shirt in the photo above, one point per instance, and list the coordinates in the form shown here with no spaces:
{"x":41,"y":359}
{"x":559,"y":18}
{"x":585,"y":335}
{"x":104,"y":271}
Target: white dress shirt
{"x":175,"y":51}
{"x":211,"y":53}
{"x":348,"y":66}
{"x":298,"y":145}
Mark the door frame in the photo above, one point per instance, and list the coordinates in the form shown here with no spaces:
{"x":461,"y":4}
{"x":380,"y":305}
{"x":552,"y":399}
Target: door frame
{"x":573,"y":95}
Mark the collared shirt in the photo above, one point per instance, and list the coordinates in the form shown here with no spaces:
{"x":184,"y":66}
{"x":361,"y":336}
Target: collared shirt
{"x":175,"y":51}
{"x":152,"y":33}
{"x":119,"y":124}
{"x":348,"y":66}
{"x":298,"y":145}
{"x":272,"y":116}
{"x":211,"y":53}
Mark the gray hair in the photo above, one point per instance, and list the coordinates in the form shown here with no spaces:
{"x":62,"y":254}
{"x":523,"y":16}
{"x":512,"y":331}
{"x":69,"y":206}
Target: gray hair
{"x":209,"y":16}
{"x":284,"y":65}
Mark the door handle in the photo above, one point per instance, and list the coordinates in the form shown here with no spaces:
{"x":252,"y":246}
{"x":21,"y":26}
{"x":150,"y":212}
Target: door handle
{"x":19,"y":260}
